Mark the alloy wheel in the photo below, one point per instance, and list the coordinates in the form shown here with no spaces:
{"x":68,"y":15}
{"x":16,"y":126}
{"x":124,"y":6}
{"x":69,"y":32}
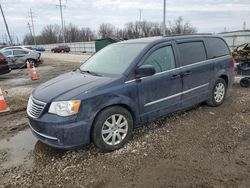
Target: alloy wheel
{"x":114,"y":129}
{"x":219,"y":92}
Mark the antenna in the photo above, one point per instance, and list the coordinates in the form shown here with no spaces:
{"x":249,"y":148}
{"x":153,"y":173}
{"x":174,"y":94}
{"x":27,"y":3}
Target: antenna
{"x":62,"y":22}
{"x":6,"y":25}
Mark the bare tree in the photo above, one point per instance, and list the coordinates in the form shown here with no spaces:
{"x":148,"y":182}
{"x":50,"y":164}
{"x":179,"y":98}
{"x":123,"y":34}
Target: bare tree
{"x":28,"y":39}
{"x":86,"y":34}
{"x":181,"y":27}
{"x":50,"y":34}
{"x":133,"y":29}
{"x":106,"y":30}
{"x":71,"y":33}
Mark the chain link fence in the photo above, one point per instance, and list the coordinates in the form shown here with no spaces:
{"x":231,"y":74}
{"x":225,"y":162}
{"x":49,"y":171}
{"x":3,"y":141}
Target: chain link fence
{"x":86,"y":47}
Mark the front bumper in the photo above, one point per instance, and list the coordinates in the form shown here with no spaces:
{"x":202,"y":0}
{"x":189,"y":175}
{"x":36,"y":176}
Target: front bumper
{"x":63,"y":136}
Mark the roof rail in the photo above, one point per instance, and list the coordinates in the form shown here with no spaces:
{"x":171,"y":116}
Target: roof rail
{"x":193,"y":34}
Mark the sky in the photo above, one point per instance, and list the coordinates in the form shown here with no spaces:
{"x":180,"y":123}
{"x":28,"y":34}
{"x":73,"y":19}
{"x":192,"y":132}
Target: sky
{"x":208,"y":16}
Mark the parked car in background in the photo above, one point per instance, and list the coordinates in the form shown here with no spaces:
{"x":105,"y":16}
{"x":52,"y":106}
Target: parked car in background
{"x":17,"y":58}
{"x":128,"y":84}
{"x":18,"y":47}
{"x":40,"y":49}
{"x":4,"y":67}
{"x":60,"y":49}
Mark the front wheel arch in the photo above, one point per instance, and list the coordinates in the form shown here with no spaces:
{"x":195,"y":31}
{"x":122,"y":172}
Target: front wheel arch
{"x":98,"y":123}
{"x":113,"y":105}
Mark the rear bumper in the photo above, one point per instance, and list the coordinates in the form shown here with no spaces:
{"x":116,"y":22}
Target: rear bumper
{"x":62,"y":136}
{"x":4,"y":69}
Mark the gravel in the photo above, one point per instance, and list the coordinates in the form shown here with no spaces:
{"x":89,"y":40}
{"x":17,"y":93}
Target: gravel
{"x":199,"y":147}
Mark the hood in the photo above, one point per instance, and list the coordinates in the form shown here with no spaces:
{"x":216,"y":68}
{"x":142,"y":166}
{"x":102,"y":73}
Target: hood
{"x":67,"y":86}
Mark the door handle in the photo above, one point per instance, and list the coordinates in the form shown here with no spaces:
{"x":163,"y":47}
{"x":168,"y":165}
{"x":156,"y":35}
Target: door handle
{"x":175,"y":76}
{"x":187,"y":73}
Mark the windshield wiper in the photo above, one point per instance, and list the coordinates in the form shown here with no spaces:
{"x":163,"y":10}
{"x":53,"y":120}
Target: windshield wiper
{"x":90,"y":72}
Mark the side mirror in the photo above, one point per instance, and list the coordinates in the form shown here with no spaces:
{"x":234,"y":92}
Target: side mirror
{"x":144,"y":70}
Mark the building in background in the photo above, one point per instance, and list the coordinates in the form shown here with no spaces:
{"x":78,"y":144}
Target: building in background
{"x":236,"y":38}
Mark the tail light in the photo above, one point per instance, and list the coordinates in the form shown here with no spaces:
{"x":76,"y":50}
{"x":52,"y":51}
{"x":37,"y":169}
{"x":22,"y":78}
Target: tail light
{"x":233,"y":66}
{"x":2,"y":59}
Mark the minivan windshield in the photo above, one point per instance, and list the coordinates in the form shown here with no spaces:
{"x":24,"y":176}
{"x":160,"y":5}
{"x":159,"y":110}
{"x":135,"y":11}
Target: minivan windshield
{"x":113,"y":59}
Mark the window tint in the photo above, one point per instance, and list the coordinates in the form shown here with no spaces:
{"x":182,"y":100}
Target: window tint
{"x":216,"y":47}
{"x":162,"y":59}
{"x":192,"y":52}
{"x":20,"y":52}
{"x":7,"y":53}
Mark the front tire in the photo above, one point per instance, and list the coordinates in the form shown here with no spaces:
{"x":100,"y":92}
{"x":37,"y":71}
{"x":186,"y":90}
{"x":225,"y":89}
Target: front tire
{"x":218,"y":93}
{"x":112,"y":128}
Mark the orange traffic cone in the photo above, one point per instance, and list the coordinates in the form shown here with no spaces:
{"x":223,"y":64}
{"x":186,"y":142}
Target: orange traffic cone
{"x":28,"y":67}
{"x":34,"y":75}
{"x":3,"y":105}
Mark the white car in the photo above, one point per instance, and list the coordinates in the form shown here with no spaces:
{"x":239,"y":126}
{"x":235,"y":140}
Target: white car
{"x":18,"y":47}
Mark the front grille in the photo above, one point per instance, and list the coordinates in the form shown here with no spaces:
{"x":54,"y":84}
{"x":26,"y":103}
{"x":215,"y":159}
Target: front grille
{"x":35,"y":107}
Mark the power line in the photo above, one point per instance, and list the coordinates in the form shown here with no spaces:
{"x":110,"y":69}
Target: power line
{"x":62,"y":22}
{"x":31,"y":15}
{"x":6,"y":25}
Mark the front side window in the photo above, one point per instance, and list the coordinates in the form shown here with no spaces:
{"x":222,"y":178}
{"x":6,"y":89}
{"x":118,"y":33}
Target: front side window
{"x":113,"y":59}
{"x":7,"y":53}
{"x":192,"y":52}
{"x":161,"y":59}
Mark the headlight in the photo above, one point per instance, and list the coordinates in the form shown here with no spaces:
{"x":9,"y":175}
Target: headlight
{"x":65,"y":108}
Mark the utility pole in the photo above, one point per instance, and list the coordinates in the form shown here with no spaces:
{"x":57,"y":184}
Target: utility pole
{"x":32,"y":24}
{"x":140,"y":11}
{"x":6,"y":25}
{"x":62,"y":22}
{"x":29,"y":26}
{"x":244,"y":25}
{"x":164,"y":18}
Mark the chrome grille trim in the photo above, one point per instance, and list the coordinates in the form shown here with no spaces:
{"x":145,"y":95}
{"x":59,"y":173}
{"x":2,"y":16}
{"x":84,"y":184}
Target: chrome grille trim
{"x":35,"y":107}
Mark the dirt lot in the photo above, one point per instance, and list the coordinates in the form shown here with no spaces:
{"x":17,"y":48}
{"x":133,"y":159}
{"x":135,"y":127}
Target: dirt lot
{"x":201,"y":147}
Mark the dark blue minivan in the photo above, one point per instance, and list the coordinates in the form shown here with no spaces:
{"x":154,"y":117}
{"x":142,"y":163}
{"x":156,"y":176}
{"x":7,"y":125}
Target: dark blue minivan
{"x":128,"y":84}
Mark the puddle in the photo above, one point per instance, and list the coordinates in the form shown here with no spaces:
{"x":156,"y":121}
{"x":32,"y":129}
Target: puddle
{"x":17,"y":81}
{"x":18,"y":149}
{"x":25,"y":149}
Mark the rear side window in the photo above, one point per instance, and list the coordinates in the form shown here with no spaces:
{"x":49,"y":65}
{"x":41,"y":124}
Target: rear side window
{"x":20,"y":52}
{"x":216,"y":47}
{"x":161,"y":59}
{"x":192,"y":52}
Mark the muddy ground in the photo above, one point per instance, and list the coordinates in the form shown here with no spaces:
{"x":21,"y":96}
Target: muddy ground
{"x":200,"y":147}
{"x":17,"y":87}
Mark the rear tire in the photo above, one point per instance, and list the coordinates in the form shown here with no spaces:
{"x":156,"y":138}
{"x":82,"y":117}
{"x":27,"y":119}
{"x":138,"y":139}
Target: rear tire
{"x":218,"y":93}
{"x":245,"y":82}
{"x":112,"y":128}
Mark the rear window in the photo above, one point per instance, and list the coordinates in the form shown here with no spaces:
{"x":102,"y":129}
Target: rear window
{"x":192,"y":52}
{"x":216,"y":47}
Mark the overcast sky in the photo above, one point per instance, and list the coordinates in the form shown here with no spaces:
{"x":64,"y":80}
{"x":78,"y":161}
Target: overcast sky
{"x":207,"y":15}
